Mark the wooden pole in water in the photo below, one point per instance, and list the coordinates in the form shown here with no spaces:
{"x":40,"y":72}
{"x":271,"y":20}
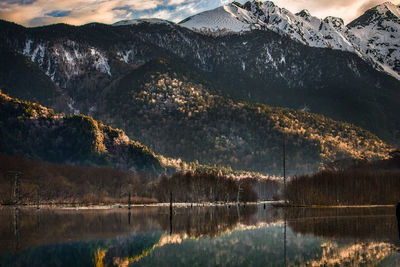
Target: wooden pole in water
{"x":16,"y":228}
{"x":129,"y":208}
{"x":284,"y":242}
{"x":37,"y":198}
{"x":16,"y":189}
{"x":398,"y":216}
{"x":238,"y":194}
{"x":170,"y":213}
{"x":284,"y":167}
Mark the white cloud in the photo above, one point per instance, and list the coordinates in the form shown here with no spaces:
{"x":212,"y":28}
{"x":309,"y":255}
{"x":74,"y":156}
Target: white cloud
{"x":176,"y":2}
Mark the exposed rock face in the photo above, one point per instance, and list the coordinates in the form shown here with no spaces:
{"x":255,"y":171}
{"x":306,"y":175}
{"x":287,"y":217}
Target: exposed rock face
{"x":375,"y":36}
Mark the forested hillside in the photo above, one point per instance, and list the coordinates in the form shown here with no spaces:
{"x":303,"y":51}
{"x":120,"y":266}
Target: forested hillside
{"x":31,"y":130}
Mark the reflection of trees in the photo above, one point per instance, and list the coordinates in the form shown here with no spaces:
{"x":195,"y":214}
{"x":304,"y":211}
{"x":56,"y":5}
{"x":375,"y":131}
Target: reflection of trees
{"x":206,"y":221}
{"x":60,"y":225}
{"x":364,"y":224}
{"x":107,"y":237}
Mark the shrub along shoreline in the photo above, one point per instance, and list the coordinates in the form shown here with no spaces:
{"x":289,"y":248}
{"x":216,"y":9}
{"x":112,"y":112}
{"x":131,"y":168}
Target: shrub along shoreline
{"x":64,"y":185}
{"x":361,"y":183}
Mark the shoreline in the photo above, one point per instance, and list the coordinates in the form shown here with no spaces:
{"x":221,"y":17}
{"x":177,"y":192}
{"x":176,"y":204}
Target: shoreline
{"x":276,"y":204}
{"x":125,"y":206}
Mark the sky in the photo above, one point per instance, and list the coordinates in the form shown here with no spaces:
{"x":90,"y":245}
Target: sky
{"x":77,"y":12}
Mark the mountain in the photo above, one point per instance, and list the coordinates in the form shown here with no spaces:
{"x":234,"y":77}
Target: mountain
{"x":375,"y":36}
{"x":159,"y":104}
{"x":183,"y":118}
{"x":80,"y":64}
{"x":31,"y":130}
{"x":209,"y":97}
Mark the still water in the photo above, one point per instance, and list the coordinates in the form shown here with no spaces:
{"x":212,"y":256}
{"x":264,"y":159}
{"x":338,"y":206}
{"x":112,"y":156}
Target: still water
{"x":200,"y":236}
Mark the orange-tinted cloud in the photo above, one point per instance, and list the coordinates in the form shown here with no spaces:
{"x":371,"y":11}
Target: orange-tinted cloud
{"x":77,"y":12}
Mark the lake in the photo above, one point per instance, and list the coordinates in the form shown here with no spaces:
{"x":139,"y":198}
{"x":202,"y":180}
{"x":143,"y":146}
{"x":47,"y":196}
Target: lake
{"x":251,"y":235}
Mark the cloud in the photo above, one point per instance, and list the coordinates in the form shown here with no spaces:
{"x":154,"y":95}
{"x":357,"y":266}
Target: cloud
{"x":21,"y":2}
{"x":80,"y":11}
{"x":176,"y":2}
{"x":77,"y":12}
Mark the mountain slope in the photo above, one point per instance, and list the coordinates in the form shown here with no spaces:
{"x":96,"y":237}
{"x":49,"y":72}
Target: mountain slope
{"x":185,"y":94}
{"x":375,"y":36}
{"x":87,"y":62}
{"x":31,"y":130}
{"x":161,"y":105}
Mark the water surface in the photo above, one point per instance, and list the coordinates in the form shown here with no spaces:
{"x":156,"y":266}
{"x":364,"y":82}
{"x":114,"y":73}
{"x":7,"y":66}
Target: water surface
{"x":200,"y":236}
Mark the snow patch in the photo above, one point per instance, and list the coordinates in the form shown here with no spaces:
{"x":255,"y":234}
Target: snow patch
{"x":27,"y":48}
{"x":71,"y":104}
{"x":69,"y":58}
{"x":219,"y":19}
{"x":125,"y":56}
{"x":100,"y":61}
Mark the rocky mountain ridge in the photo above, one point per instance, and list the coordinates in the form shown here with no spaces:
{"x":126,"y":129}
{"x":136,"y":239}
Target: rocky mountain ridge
{"x":375,"y":36}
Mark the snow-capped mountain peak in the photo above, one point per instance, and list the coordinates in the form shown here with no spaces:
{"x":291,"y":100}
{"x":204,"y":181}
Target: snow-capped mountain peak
{"x":375,"y":36}
{"x":223,"y":18}
{"x":385,"y":11}
{"x":302,"y":27}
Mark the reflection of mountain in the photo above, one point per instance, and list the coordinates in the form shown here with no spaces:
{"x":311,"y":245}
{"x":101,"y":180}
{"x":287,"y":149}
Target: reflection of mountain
{"x":83,"y":253}
{"x":264,"y":246}
{"x":37,"y":228}
{"x":353,"y":255}
{"x":57,"y":226}
{"x":203,"y":236}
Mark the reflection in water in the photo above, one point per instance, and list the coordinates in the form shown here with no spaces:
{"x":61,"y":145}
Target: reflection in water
{"x":398,"y":217}
{"x":284,"y":241}
{"x":364,"y":224}
{"x":199,"y":236}
{"x":16,"y":227}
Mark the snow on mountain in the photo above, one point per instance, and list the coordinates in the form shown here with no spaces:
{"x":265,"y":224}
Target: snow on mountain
{"x":225,"y":18}
{"x":257,"y":15}
{"x":375,"y":36}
